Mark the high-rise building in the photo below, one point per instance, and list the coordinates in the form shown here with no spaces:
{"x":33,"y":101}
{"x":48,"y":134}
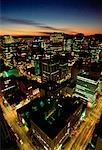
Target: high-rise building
{"x":55,"y":68}
{"x":47,"y":45}
{"x":9,"y":51}
{"x":86,"y":87}
{"x":7,"y":84}
{"x":23,"y":53}
{"x":8,"y":88}
{"x":56,"y":42}
{"x":68,"y":45}
{"x":37,"y":46}
{"x":8,"y":39}
{"x":37,"y":66}
{"x":63,"y":67}
{"x":50,"y":68}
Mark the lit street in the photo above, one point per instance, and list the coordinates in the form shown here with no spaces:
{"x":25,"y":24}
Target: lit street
{"x":78,"y":141}
{"x":84,"y":133}
{"x":10,"y":116}
{"x":50,"y":76}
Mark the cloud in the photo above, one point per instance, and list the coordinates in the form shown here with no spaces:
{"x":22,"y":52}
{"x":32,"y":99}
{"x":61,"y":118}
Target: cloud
{"x":49,"y":27}
{"x":44,"y":27}
{"x":26,"y":22}
{"x":20,"y":21}
{"x":47,"y":33}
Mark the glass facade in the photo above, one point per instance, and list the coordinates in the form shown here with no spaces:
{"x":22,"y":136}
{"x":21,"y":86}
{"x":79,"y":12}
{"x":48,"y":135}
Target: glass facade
{"x":85,"y":88}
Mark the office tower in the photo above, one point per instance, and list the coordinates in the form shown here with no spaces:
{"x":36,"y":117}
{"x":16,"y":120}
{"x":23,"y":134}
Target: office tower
{"x":8,"y":89}
{"x":22,"y":52}
{"x":7,"y":84}
{"x":9,"y":51}
{"x":86,"y":87}
{"x":56,"y":42}
{"x":37,"y":46}
{"x":8,"y":39}
{"x":68,"y":44}
{"x":37,"y":66}
{"x":1,"y":52}
{"x":94,"y":49}
{"x":55,"y":68}
{"x":63,"y":67}
{"x":47,"y":45}
{"x":50,"y":68}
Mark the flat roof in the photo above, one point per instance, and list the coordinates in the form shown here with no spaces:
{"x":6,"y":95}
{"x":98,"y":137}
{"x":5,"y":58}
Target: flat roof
{"x":27,"y":82}
{"x":50,"y":115}
{"x":56,"y":86}
{"x":13,"y":72}
{"x":15,"y":96}
{"x":55,"y":59}
{"x":88,"y":76}
{"x":50,"y":85}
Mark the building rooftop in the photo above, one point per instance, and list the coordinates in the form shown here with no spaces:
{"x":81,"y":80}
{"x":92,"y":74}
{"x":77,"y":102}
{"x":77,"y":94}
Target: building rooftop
{"x":96,"y":67}
{"x":50,"y":85}
{"x":89,"y":76}
{"x":51,"y":59}
{"x":53,"y":113}
{"x":15,"y":96}
{"x":28,"y":82}
{"x":13,"y":72}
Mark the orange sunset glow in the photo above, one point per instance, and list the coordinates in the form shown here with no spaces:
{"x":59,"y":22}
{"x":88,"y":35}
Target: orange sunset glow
{"x":34,"y":31}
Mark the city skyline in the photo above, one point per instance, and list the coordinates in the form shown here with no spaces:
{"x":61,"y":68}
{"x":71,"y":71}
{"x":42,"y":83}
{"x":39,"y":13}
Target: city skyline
{"x":41,"y":17}
{"x":50,"y":89}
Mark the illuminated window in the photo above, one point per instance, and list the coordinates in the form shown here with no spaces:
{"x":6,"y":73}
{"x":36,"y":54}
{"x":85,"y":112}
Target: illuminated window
{"x":41,"y":103}
{"x":34,"y":108}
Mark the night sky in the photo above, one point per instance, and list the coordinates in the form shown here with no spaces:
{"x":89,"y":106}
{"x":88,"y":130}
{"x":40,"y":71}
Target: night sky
{"x":29,"y":17}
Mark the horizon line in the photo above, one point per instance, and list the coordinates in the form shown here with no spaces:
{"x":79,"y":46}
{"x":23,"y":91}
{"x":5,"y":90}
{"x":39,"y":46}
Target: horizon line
{"x":47,"y":34}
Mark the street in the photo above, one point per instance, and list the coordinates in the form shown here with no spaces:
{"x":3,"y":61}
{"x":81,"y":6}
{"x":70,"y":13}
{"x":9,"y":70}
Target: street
{"x":11,"y":118}
{"x":84,"y":133}
{"x":77,"y":142}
